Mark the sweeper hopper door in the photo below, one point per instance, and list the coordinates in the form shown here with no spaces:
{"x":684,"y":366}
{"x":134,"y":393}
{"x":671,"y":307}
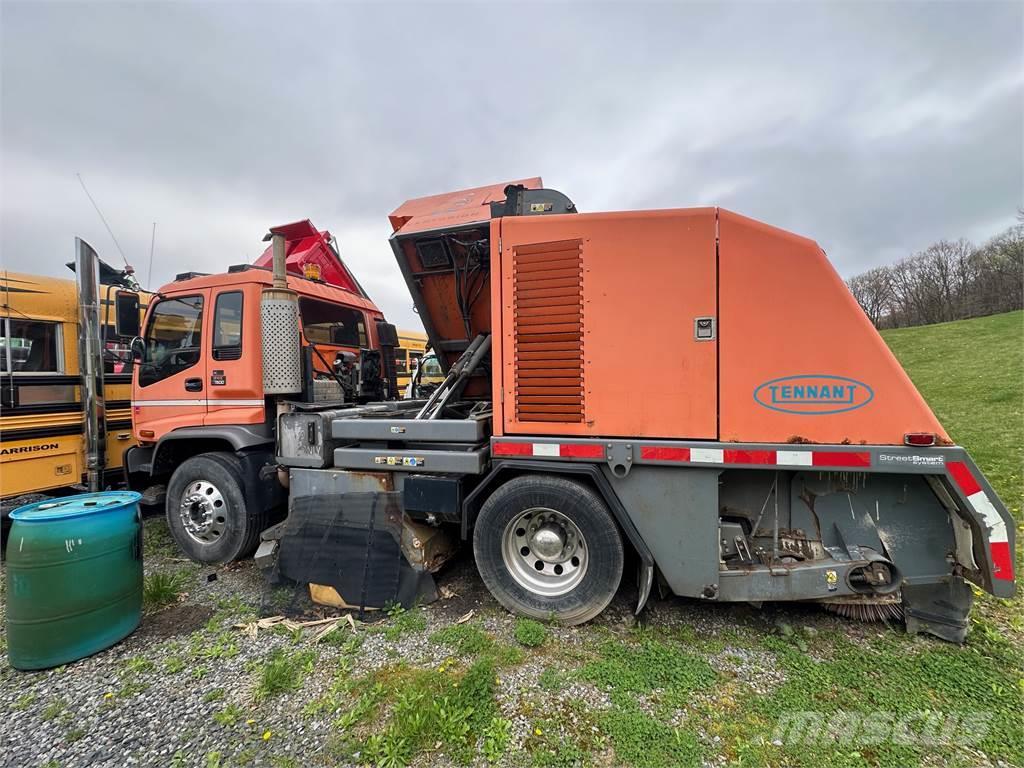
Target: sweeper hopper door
{"x":608,"y":324}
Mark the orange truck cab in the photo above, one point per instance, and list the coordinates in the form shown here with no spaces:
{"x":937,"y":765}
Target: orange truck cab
{"x":203,"y":421}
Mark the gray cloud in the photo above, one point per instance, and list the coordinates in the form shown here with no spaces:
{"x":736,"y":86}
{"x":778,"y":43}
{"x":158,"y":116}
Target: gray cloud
{"x":874,"y":128}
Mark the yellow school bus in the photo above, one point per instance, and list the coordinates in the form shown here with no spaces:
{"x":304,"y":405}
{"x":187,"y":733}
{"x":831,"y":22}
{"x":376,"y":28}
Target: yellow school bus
{"x":41,"y":443}
{"x":410,"y":350}
{"x":413,"y":352}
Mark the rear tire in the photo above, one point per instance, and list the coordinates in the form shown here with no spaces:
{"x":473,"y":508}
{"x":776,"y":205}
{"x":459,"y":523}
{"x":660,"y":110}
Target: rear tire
{"x":206,"y":510}
{"x":548,"y":547}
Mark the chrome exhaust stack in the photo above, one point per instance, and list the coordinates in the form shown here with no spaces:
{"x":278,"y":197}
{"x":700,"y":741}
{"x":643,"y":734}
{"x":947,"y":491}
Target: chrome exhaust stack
{"x":90,"y":363}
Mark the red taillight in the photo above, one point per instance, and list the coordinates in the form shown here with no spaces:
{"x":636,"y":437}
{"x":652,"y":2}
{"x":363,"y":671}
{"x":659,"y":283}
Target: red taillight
{"x":920,"y":439}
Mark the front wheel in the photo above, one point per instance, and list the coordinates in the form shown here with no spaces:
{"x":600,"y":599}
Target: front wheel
{"x":548,"y":547}
{"x":206,"y":510}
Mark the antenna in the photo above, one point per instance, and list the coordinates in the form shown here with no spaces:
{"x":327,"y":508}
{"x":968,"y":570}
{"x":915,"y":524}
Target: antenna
{"x":152,"y":244}
{"x":100,"y":214}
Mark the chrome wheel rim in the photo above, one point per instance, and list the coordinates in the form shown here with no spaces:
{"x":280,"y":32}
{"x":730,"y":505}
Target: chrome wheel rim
{"x":203,"y":511}
{"x":544,"y":551}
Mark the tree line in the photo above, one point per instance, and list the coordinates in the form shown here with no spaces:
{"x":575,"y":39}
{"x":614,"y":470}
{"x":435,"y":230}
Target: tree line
{"x":948,"y":280}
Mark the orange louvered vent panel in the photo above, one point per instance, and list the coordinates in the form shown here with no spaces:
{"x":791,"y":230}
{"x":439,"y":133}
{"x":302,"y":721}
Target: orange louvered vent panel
{"x":548,"y":330}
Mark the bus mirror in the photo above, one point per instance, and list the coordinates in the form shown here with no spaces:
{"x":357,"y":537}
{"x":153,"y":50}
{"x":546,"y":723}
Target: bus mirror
{"x":126,"y":314}
{"x":138,"y":347}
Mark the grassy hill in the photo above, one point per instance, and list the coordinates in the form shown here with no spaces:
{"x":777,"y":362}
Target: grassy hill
{"x":971,"y":372}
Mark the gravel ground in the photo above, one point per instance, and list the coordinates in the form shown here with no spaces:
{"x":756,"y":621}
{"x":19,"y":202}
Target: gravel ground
{"x":151,"y":699}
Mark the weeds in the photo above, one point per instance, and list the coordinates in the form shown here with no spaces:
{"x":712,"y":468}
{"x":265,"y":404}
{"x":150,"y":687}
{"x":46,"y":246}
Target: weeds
{"x":530,"y":633}
{"x":228,"y":716}
{"x":428,"y":709}
{"x":551,"y":679}
{"x":222,"y":644}
{"x":496,"y":739}
{"x":24,"y":701}
{"x":160,"y":589}
{"x":138,"y":665}
{"x":283,"y":673}
{"x":464,"y":639}
{"x":404,"y":622}
{"x":53,"y":710}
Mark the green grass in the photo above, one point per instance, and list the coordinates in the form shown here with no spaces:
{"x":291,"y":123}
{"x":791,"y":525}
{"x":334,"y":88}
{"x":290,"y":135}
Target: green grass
{"x":283,"y":672}
{"x":446,"y":709}
{"x":403,"y":622}
{"x":464,"y":639}
{"x":666,"y":677}
{"x":530,"y":633}
{"x":160,"y":589}
{"x":53,"y":710}
{"x":228,"y":716}
{"x":471,"y":640}
{"x":971,"y":372}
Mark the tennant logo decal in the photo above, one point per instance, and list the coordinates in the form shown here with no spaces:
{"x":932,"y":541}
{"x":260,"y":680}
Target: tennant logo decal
{"x":28,"y":449}
{"x":813,"y":395}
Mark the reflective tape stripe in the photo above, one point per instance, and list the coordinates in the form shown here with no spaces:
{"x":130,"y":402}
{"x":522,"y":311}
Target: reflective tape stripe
{"x":582,"y":451}
{"x":993,"y":521}
{"x":512,"y":449}
{"x":840,"y":459}
{"x":794,"y":458}
{"x":998,"y":538}
{"x":198,"y":401}
{"x":735,"y":456}
{"x":1002,"y":563}
{"x":550,"y":450}
{"x":962,"y":477}
{"x":707,"y":455}
{"x":693,"y":455}
{"x":664,"y":453}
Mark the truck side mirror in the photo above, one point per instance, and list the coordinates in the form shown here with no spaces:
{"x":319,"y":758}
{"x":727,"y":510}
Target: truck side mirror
{"x":126,"y":314}
{"x":138,"y":348}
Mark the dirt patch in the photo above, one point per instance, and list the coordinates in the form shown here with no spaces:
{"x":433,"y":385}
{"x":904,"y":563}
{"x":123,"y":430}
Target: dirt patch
{"x":182,"y":619}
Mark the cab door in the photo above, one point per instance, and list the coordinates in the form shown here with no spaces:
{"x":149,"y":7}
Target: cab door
{"x":170,"y":384}
{"x":234,"y":358}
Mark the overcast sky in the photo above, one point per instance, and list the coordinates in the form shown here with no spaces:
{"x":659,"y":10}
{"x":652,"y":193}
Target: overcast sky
{"x":873,"y":128}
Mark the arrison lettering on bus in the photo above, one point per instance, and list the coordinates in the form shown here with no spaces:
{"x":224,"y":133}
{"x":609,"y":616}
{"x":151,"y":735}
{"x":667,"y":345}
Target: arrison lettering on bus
{"x":28,"y":449}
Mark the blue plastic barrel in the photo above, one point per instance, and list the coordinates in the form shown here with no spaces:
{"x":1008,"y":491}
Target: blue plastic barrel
{"x":74,"y":577}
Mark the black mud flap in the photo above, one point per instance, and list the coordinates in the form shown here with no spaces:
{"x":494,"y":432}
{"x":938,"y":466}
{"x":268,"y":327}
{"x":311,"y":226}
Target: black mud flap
{"x":938,"y":609}
{"x":351,"y":542}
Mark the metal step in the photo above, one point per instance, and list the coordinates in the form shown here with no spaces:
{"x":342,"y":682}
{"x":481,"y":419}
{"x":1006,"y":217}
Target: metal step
{"x":154,"y":495}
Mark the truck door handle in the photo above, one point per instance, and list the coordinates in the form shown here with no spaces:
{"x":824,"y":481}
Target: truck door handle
{"x":193,"y":385}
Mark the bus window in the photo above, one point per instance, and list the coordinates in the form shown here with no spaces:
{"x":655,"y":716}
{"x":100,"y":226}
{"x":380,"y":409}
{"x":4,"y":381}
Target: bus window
{"x":401,"y":361}
{"x":117,"y":354}
{"x":30,"y":346}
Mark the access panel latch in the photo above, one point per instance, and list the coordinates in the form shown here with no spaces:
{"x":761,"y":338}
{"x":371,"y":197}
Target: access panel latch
{"x":704,"y":328}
